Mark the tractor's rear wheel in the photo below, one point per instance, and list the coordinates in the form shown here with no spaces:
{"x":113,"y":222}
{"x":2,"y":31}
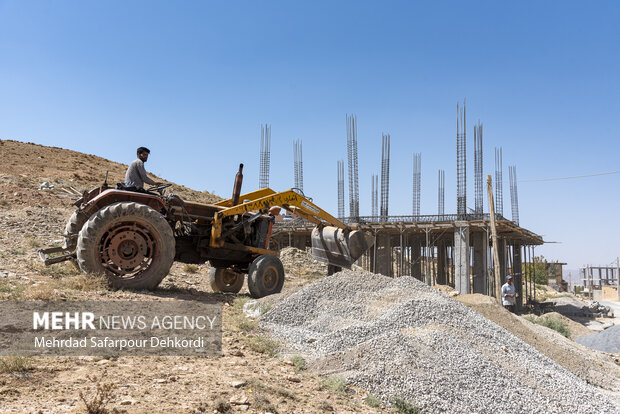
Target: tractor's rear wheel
{"x":266,"y":276}
{"x":130,"y":243}
{"x":224,"y":280}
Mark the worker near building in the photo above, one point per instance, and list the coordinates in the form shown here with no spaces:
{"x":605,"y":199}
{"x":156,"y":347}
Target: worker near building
{"x":509,"y":295}
{"x":136,"y":174}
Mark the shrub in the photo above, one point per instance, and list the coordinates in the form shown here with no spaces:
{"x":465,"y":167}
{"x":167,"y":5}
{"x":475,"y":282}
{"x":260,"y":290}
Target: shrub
{"x":12,"y":364}
{"x":100,"y":395}
{"x":190,"y":268}
{"x":373,"y":401}
{"x":334,"y":384}
{"x":263,"y":345}
{"x":556,"y":324}
{"x":300,"y":363}
{"x":402,"y":406}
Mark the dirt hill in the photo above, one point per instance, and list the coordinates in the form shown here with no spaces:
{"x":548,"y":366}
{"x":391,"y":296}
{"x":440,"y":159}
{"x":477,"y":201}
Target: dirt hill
{"x":25,"y":166}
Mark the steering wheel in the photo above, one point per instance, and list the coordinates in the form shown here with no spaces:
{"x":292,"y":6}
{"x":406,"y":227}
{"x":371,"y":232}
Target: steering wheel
{"x":159,"y":188}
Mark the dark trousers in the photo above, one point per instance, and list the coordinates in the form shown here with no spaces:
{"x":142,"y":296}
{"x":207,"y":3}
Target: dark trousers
{"x":510,"y":308}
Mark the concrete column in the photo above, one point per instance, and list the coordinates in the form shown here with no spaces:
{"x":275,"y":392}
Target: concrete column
{"x":461,"y":257}
{"x":517,"y":273}
{"x":416,"y":265}
{"x":441,"y":264}
{"x":384,"y":255}
{"x":481,"y":247}
{"x":299,"y":241}
{"x":501,"y":251}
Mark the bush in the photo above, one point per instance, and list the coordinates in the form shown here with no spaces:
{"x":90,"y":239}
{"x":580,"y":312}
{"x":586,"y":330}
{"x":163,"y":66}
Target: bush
{"x":556,"y":324}
{"x":402,"y":406}
{"x":12,"y":364}
{"x":102,"y":394}
{"x":373,"y":401}
{"x":333,"y":384}
{"x":263,"y":345}
{"x":190,"y":268}
{"x":300,"y":363}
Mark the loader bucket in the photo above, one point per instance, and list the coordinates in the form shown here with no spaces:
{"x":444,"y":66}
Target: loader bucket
{"x":338,"y":247}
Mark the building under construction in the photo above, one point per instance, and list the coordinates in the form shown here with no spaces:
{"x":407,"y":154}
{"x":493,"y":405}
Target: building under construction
{"x":444,"y":249}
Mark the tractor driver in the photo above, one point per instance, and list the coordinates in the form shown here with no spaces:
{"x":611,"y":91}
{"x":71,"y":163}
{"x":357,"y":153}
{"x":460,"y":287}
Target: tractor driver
{"x":136,"y":174}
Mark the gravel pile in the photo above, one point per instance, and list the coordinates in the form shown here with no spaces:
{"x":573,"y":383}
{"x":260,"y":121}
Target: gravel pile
{"x":399,"y":337}
{"x":300,"y":262}
{"x":606,"y":341}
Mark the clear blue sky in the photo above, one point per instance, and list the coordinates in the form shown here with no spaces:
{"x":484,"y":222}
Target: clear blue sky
{"x":194,"y":81}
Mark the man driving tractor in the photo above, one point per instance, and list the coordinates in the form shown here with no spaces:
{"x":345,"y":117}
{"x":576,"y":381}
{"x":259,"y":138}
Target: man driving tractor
{"x":136,"y":174}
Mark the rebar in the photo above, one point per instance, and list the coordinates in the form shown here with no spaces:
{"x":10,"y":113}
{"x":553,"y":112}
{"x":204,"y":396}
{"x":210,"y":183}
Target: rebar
{"x":499,"y":191}
{"x":374,"y":180}
{"x":417,"y":175}
{"x":461,"y":160}
{"x":298,"y":165}
{"x":514,"y":197}
{"x":441,"y":190}
{"x":385,"y":175}
{"x":479,"y":183}
{"x":354,"y":198}
{"x":265,"y":156}
{"x":340,"y":189}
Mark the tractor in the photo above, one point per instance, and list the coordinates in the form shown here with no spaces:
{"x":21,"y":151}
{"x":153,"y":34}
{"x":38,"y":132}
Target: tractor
{"x":134,"y":237}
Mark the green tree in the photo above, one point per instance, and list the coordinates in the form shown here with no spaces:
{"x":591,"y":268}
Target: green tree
{"x":539,"y":269}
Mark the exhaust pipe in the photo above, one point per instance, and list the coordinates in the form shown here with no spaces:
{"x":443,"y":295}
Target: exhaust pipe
{"x":237,"y":186}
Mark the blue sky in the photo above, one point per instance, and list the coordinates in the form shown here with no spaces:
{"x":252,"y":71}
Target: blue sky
{"x":194,"y":81}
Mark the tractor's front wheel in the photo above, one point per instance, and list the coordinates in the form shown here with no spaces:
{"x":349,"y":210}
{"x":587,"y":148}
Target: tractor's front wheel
{"x":266,"y":276}
{"x":130,"y":243}
{"x":224,"y":280}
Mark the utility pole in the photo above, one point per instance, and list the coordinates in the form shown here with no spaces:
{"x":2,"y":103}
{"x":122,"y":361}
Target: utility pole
{"x":496,"y":271}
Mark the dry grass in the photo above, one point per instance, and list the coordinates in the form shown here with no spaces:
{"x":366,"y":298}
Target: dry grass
{"x":98,"y":395}
{"x":58,"y":270}
{"x":262,"y":345}
{"x":190,"y":268}
{"x":238,"y":321}
{"x":12,"y":290}
{"x":53,"y":289}
{"x":300,"y":363}
{"x":256,"y":385}
{"x":372,"y":401}
{"x":333,"y":384}
{"x":13,"y":364}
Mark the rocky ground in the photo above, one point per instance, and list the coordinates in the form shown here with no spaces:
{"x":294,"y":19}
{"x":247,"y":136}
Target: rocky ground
{"x":339,"y":359}
{"x":250,"y":376}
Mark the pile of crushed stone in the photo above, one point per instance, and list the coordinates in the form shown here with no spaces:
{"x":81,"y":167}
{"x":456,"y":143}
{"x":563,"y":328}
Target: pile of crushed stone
{"x":399,"y":337}
{"x":300,"y":262}
{"x":606,"y":341}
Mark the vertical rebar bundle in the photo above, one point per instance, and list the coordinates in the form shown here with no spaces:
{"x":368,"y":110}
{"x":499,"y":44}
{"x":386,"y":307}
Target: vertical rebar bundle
{"x":299,"y":165}
{"x":340,"y":189}
{"x":499,"y":191}
{"x":374,"y":180}
{"x":441,"y":193}
{"x":265,"y":156}
{"x":514,"y":197}
{"x":478,"y":185}
{"x":417,"y":175}
{"x":461,"y":160}
{"x":354,"y":197}
{"x":385,"y":175}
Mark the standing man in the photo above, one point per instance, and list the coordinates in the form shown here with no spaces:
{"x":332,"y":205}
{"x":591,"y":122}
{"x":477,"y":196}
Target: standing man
{"x":509,"y":295}
{"x":136,"y":174}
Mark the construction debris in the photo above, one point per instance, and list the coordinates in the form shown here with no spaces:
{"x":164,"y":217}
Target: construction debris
{"x":399,"y":337}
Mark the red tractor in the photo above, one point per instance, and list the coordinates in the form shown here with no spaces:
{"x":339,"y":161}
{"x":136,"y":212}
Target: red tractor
{"x":134,"y":237}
